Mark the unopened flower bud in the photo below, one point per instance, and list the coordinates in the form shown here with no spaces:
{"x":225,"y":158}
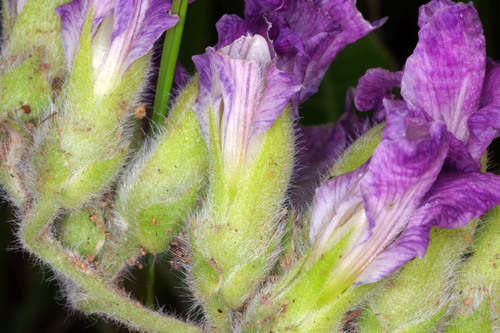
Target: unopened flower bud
{"x":241,"y":108}
{"x":83,"y":231}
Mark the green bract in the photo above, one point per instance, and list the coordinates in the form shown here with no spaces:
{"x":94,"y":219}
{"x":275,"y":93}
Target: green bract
{"x":162,"y":187}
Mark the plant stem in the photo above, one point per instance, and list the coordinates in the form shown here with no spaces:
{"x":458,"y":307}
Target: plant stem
{"x":100,"y":297}
{"x":150,"y":281}
{"x":169,"y":56}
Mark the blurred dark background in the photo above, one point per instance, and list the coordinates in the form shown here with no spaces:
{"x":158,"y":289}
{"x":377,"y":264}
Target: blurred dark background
{"x":30,"y":300}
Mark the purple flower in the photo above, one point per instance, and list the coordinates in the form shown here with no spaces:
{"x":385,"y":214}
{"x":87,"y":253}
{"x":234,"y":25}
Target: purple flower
{"x":446,"y":79}
{"x":393,"y":200}
{"x":122,"y":32}
{"x":426,"y":170}
{"x":246,"y":93}
{"x":304,"y":36}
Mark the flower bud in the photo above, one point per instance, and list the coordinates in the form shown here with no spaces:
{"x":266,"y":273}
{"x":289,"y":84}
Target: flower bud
{"x":83,"y":231}
{"x":161,"y":188}
{"x":86,"y":142}
{"x":241,"y":108}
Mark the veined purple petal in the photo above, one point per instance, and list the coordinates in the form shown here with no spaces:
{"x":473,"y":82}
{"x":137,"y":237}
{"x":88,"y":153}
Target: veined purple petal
{"x":413,"y":240}
{"x":135,"y":27}
{"x":280,"y":88}
{"x":232,"y":27}
{"x":374,"y":87}
{"x":457,"y":197}
{"x":258,"y":7}
{"x":459,"y":158}
{"x":484,"y":125}
{"x":307,"y":37}
{"x":335,"y":202}
{"x":401,"y":171}
{"x":304,"y":36}
{"x":73,"y":17}
{"x":246,"y":93}
{"x":427,"y":11}
{"x":454,"y":200}
{"x":444,"y":75}
{"x":138,"y":24}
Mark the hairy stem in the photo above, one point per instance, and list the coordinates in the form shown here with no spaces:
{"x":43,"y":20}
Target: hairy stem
{"x":35,"y":233}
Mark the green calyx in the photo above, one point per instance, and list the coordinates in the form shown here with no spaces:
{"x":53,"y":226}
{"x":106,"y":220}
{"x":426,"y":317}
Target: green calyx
{"x":358,"y":152}
{"x":86,"y":136}
{"x":162,"y":192}
{"x":236,"y":233}
{"x":478,"y":295}
{"x":295,"y":302}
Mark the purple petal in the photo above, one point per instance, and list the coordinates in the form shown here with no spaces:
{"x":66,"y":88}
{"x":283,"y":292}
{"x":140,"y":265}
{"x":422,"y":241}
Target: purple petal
{"x":280,"y":88}
{"x":245,"y":91}
{"x":373,"y":87}
{"x":444,"y":75}
{"x":73,"y":17}
{"x":484,"y":125}
{"x":427,"y":11}
{"x":333,"y":201}
{"x":258,"y":7}
{"x":401,"y":171}
{"x":459,"y":158}
{"x":232,"y":27}
{"x":307,"y":38}
{"x":454,"y":200}
{"x":413,"y":240}
{"x":137,"y":26}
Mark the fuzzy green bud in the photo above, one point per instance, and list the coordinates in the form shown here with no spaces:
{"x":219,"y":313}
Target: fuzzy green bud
{"x":32,"y":58}
{"x":162,"y":187}
{"x":85,"y":139}
{"x":83,"y":231}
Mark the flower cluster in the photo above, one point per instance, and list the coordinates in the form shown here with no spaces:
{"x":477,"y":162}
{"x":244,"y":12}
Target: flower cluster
{"x":277,"y":226}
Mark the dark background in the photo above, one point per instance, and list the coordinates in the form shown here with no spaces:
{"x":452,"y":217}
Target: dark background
{"x":30,"y":300}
